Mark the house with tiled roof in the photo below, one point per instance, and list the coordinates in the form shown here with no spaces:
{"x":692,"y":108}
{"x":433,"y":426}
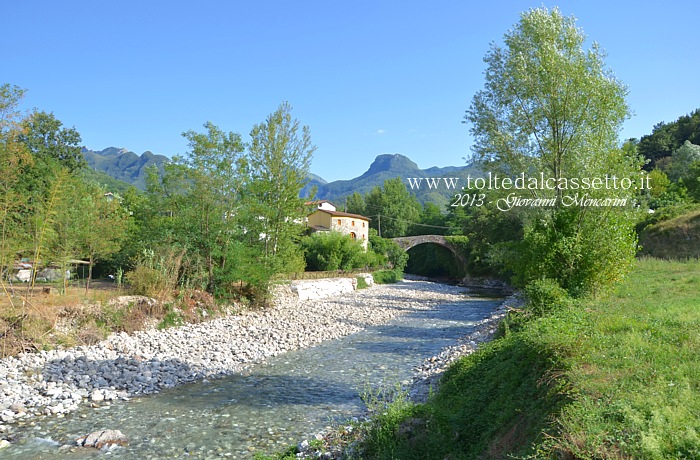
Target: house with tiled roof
{"x":327,"y":219}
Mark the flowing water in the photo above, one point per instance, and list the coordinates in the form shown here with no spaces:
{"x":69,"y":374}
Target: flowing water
{"x":272,"y":405}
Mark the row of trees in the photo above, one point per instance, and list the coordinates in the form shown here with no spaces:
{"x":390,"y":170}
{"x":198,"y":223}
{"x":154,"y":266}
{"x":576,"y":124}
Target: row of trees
{"x":47,"y":212}
{"x":224,"y":218}
{"x":229,"y":210}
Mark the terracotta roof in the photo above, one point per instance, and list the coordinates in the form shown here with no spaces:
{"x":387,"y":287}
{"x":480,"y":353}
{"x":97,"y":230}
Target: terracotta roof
{"x":342,"y":214}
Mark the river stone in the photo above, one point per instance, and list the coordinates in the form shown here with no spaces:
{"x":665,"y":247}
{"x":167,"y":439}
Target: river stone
{"x":4,"y":443}
{"x":103,"y":438}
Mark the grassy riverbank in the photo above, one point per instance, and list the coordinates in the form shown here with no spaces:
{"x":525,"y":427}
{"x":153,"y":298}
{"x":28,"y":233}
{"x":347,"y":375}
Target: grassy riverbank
{"x":615,"y":377}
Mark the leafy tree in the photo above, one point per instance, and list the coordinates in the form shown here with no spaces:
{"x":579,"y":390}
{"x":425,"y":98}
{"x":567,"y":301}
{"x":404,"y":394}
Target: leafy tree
{"x":47,"y":139}
{"x":681,"y":159}
{"x":389,"y":250}
{"x":665,"y":138}
{"x":13,"y":159}
{"x":69,"y":229}
{"x":279,"y":157}
{"x":551,"y":107}
{"x":101,"y":227}
{"x":691,"y":180}
{"x":196,"y":205}
{"x":355,"y":204}
{"x":431,"y":221}
{"x":393,"y":209}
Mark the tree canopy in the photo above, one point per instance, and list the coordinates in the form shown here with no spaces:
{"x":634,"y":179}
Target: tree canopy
{"x":551,"y":107}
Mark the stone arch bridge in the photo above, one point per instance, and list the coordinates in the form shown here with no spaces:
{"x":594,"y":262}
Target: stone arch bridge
{"x":408,"y":242}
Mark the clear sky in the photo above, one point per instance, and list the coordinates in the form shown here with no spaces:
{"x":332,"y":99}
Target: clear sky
{"x":367,"y":77}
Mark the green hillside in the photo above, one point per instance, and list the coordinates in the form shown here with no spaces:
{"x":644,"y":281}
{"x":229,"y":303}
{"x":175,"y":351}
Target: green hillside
{"x":676,"y":238}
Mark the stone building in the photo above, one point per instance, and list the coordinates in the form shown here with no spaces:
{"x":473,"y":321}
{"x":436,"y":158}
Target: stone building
{"x":326,"y":219}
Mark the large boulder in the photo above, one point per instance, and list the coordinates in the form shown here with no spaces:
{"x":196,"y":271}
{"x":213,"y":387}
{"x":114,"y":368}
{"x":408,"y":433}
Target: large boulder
{"x":103,"y":438}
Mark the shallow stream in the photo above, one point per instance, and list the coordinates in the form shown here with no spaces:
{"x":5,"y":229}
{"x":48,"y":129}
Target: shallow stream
{"x":273,"y":405}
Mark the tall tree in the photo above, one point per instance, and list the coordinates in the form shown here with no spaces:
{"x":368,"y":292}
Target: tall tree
{"x":393,"y":209}
{"x":551,"y":107}
{"x":196,"y":204}
{"x":46,"y":139}
{"x":279,"y":157}
{"x":355,"y":204}
{"x":13,"y":159}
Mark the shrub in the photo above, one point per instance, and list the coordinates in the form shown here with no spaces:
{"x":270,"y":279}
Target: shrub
{"x":389,"y":250}
{"x":328,"y":251}
{"x":545,"y":295}
{"x":387,"y":276}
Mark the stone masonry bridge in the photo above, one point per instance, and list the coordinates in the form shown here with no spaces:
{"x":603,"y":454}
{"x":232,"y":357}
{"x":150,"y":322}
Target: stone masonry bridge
{"x":408,"y":242}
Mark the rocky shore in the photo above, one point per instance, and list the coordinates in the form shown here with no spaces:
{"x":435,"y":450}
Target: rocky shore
{"x":53,"y":383}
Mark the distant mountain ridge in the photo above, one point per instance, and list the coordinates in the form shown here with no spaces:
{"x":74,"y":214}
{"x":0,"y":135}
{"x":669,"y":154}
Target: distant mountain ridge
{"x":390,"y":166}
{"x":125,"y":165}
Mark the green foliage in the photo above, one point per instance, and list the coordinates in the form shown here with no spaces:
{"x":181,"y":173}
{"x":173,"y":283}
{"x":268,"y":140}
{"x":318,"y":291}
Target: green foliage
{"x":665,"y":138}
{"x":277,"y":169}
{"x":392,"y":208}
{"x":361,"y":283}
{"x":484,"y":236}
{"x":233,"y":208}
{"x":47,"y":140}
{"x":387,"y":276}
{"x":545,"y":295}
{"x":389,"y":250}
{"x":551,"y":107}
{"x":432,"y":221}
{"x":355,"y":204}
{"x":327,"y":251}
{"x":584,"y":254}
{"x":691,"y":181}
{"x":156,"y":272}
{"x":172,"y":318}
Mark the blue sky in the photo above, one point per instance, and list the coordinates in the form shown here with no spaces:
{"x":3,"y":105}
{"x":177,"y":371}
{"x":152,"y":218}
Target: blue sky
{"x":366,"y":77}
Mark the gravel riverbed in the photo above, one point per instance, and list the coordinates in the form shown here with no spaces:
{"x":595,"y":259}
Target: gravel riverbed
{"x":53,"y":383}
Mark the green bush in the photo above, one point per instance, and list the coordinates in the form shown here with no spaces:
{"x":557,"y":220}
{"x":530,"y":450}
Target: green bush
{"x":387,"y":276}
{"x":326,"y":251}
{"x":388,"y":250}
{"x":143,"y":280}
{"x":545,"y":295}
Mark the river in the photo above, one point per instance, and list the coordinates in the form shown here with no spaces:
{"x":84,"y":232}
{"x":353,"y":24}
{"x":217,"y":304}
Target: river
{"x":270,"y":406}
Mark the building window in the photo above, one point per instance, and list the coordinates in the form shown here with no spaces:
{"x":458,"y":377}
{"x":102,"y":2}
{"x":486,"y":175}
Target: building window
{"x":338,"y":221}
{"x":363,"y":225}
{"x":352,"y":235}
{"x":352,"y":222}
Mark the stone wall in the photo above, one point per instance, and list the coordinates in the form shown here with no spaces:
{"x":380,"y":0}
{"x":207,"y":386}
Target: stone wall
{"x":321,"y":288}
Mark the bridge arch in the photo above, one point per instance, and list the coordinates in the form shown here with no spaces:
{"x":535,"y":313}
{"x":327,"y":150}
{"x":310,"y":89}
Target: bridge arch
{"x":408,"y":242}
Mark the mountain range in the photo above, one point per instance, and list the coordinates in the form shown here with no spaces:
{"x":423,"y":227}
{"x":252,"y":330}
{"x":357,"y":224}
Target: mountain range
{"x":130,"y":168}
{"x":124,"y":165}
